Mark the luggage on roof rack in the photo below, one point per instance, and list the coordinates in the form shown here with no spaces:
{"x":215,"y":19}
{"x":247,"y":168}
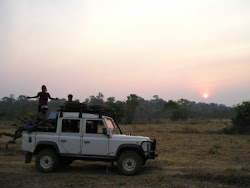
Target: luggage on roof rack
{"x":73,"y":107}
{"x":84,"y":108}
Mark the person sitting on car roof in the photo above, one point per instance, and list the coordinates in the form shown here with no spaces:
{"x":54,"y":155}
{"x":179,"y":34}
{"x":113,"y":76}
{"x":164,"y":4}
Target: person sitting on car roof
{"x":42,"y":120}
{"x":70,"y":98}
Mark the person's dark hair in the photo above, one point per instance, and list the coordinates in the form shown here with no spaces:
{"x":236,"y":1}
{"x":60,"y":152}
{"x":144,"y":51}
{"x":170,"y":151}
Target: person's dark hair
{"x":70,"y":95}
{"x":44,"y":87}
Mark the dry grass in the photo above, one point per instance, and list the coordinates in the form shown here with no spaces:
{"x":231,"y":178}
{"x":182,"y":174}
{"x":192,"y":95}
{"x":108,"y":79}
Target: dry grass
{"x":191,"y":154}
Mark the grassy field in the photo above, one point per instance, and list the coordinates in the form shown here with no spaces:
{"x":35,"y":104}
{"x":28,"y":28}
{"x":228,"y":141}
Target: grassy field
{"x":191,"y":154}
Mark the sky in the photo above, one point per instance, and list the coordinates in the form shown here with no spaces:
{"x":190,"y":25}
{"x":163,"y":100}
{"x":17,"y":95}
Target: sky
{"x":173,"y":49}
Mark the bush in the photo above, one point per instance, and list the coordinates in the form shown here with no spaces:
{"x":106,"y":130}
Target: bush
{"x":241,"y":121}
{"x":32,"y":116}
{"x":230,"y":130}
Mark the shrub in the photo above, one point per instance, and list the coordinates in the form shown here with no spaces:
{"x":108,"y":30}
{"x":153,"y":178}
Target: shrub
{"x":241,"y":121}
{"x":230,"y":129}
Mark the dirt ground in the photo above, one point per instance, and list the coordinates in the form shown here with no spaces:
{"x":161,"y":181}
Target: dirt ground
{"x":191,"y":154}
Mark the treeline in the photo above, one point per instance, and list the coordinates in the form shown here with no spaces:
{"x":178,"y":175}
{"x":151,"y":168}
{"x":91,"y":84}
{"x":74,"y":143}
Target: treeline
{"x":134,"y":109}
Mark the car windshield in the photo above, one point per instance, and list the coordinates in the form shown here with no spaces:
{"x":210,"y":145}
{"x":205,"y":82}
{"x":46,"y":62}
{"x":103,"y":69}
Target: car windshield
{"x":112,"y":126}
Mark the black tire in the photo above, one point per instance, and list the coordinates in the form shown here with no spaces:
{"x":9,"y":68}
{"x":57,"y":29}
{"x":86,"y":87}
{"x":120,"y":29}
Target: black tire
{"x":130,"y":163}
{"x":47,"y":160}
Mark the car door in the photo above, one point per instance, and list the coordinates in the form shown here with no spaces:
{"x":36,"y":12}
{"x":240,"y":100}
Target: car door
{"x":70,"y":135}
{"x":94,"y":141}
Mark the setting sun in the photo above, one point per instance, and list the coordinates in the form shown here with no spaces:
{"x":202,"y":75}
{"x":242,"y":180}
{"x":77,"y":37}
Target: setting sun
{"x":205,"y":95}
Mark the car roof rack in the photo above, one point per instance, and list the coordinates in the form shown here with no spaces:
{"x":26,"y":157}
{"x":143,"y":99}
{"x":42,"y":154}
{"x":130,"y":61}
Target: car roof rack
{"x":87,"y":108}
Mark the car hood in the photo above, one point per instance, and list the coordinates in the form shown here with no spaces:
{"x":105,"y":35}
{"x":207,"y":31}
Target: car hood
{"x":129,"y":137}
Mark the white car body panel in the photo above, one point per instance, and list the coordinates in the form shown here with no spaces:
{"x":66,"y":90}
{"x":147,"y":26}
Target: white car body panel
{"x":81,"y":143}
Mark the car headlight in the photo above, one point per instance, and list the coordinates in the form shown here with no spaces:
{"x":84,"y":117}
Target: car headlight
{"x":146,"y":146}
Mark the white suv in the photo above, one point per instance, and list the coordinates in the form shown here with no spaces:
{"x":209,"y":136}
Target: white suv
{"x":80,"y":136}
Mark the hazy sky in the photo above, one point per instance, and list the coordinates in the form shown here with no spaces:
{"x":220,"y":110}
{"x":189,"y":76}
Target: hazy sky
{"x":174,"y":49}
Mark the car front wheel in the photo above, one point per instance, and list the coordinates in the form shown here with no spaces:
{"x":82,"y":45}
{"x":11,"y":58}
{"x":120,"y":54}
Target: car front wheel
{"x":130,"y":163}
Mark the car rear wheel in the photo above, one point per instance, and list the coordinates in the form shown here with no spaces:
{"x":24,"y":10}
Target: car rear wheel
{"x":47,"y":160}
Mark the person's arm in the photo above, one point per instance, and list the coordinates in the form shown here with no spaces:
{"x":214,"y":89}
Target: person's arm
{"x":51,"y":97}
{"x":34,"y":96}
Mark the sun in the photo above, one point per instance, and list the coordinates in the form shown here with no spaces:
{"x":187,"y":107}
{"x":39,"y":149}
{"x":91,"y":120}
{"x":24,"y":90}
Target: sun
{"x":205,"y":95}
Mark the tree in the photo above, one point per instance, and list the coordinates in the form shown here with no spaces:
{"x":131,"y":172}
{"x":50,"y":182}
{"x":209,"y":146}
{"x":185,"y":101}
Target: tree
{"x":100,"y":96}
{"x":9,"y":100}
{"x":87,"y":100}
{"x":134,"y":109}
{"x":184,"y":110}
{"x":170,"y":105}
{"x":156,"y":97}
{"x":22,"y":98}
{"x":96,"y":100}
{"x":241,"y":121}
{"x":132,"y":103}
{"x":118,"y":106}
{"x":111,"y":100}
{"x":179,"y":110}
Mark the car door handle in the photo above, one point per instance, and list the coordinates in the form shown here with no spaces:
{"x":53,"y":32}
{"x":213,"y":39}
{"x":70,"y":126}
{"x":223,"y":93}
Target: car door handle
{"x":63,"y":140}
{"x":87,"y":142}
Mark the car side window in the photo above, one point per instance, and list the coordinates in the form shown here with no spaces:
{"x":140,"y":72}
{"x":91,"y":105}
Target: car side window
{"x":71,"y":125}
{"x":94,"y":126}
